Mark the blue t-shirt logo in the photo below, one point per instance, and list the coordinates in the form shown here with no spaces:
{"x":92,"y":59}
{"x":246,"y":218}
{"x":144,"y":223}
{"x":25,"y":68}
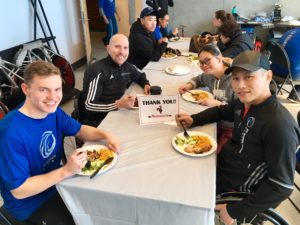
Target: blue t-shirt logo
{"x":47,"y":144}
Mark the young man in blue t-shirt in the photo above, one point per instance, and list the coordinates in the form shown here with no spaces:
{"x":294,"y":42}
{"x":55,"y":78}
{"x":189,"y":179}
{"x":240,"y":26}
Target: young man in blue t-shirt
{"x":31,"y":149}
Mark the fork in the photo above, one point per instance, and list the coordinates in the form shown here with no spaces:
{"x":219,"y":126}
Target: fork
{"x":191,"y":93}
{"x":185,"y":133}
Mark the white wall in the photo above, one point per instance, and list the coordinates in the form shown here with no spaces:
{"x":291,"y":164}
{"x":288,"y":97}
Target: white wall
{"x":16,"y":19}
{"x":16,"y":23}
{"x":197,"y":14}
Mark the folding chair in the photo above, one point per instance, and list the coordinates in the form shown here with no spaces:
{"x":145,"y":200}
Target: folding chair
{"x":280,"y":61}
{"x":297,"y":188}
{"x":5,"y":218}
{"x":269,"y":216}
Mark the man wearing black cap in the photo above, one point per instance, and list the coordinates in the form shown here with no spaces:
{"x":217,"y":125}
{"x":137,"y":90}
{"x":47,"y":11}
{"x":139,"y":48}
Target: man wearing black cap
{"x":142,"y":45}
{"x":260,"y":157}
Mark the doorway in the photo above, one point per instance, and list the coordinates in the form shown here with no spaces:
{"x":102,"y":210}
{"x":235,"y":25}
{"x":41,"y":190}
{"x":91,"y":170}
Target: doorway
{"x":93,"y":28}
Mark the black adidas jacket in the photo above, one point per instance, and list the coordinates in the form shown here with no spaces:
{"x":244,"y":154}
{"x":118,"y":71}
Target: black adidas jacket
{"x":105,"y":82}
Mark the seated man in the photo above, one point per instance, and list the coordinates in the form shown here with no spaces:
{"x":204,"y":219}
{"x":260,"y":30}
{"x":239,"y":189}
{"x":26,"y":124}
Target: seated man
{"x":289,"y":41}
{"x":233,"y":39}
{"x":260,"y":157}
{"x":143,"y":46}
{"x":106,"y":81}
{"x":162,"y":17}
{"x":31,"y":149}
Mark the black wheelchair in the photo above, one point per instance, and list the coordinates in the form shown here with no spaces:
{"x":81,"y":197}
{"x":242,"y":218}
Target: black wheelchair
{"x":268,"y":217}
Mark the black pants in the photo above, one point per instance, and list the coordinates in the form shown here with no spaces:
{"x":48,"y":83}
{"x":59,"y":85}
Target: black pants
{"x":93,"y":119}
{"x":52,"y":212}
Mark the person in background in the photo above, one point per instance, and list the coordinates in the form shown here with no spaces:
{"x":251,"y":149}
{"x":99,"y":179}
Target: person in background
{"x":221,"y":17}
{"x":160,"y":4}
{"x":219,"y":83}
{"x":31,"y":140}
{"x":142,"y":45}
{"x":260,"y":157}
{"x":162,"y":18}
{"x":234,"y":40}
{"x":108,"y":10}
{"x":105,"y":82}
{"x":290,"y":41}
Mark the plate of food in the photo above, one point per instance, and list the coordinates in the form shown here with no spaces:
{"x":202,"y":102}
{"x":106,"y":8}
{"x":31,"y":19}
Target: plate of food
{"x":197,"y":145}
{"x":178,"y":70}
{"x":169,"y":55}
{"x":174,"y":39}
{"x":192,"y":58}
{"x":196,"y":95}
{"x":97,"y":154}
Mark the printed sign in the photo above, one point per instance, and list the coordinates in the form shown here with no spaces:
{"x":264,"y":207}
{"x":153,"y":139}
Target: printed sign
{"x":158,"y":108}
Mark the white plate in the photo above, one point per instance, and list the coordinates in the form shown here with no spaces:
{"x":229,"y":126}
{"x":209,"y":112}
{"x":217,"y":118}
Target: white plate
{"x":178,"y":70}
{"x":188,"y":96}
{"x":186,"y":54}
{"x":180,"y":148}
{"x":104,"y":168}
{"x":170,"y":57}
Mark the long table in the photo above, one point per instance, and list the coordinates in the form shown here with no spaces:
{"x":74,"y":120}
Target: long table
{"x":151,"y":184}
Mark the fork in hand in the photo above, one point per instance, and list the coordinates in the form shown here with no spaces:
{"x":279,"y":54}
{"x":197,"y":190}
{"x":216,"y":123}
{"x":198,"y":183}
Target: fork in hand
{"x":185,"y":133}
{"x":191,"y":93}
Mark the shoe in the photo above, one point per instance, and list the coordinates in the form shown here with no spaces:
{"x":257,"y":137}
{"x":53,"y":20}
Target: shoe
{"x":293,"y":97}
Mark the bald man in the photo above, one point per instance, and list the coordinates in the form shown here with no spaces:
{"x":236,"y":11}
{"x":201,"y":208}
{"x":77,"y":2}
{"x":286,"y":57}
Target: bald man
{"x":106,"y":81}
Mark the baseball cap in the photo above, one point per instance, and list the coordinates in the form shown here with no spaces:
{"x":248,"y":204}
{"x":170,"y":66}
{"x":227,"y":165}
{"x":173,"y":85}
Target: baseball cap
{"x":148,"y":11}
{"x":250,"y":61}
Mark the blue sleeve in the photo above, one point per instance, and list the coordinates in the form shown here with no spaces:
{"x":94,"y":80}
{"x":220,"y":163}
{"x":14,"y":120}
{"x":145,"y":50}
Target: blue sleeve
{"x":70,"y":127}
{"x":100,"y":3}
{"x":14,"y":165}
{"x":157,"y":34}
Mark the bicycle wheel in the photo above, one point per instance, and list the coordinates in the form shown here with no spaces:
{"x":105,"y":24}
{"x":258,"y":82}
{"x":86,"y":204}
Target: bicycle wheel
{"x":3,"y":110}
{"x":268,"y":217}
{"x":66,"y":70}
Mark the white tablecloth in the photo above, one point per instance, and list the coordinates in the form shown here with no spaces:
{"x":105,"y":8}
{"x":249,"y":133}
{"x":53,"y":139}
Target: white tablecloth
{"x":151,"y":184}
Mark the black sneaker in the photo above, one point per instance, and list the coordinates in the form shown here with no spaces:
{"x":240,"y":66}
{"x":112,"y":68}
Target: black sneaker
{"x":293,"y":97}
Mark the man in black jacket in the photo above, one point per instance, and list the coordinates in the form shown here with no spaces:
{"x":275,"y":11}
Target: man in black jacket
{"x":160,"y":4}
{"x":106,"y":81}
{"x":260,"y":157}
{"x":143,"y":46}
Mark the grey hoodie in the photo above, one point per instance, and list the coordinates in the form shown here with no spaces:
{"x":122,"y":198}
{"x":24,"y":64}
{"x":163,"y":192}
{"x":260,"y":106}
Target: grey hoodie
{"x":216,"y":86}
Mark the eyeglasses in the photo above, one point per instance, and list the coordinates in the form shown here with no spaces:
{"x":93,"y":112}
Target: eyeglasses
{"x":206,"y":62}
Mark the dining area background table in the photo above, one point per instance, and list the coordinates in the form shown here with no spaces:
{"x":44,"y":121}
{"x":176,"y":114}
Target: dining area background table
{"x":151,"y":183}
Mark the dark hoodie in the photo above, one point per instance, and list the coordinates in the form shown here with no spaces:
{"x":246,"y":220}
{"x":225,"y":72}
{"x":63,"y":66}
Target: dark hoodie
{"x":238,"y":43}
{"x":143,"y":47}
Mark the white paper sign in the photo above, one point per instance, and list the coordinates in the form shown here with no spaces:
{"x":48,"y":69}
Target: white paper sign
{"x":158,"y":108}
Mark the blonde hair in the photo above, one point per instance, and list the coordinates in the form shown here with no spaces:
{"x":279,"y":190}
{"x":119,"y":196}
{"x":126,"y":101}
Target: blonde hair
{"x":40,"y":68}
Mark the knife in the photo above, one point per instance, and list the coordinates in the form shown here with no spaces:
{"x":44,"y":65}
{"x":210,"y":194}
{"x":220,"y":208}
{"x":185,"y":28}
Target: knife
{"x":107,"y":161}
